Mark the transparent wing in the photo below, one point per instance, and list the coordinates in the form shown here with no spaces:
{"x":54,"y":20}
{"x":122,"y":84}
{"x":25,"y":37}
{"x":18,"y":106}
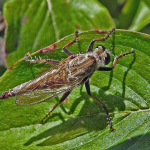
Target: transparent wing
{"x":46,"y":86}
{"x":60,"y":79}
{"x":38,"y":95}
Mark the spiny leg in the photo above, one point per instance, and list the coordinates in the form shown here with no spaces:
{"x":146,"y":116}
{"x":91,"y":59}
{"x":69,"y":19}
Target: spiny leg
{"x":87,"y":85}
{"x":61,"y":100}
{"x":48,"y":61}
{"x":115,"y":62}
{"x":68,"y":53}
{"x":90,"y":48}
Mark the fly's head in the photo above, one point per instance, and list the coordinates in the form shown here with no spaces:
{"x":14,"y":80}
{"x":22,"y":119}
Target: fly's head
{"x":103,"y":55}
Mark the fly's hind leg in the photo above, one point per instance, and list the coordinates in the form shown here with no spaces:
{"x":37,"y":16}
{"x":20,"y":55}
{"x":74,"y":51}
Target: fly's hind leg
{"x":61,"y":100}
{"x":68,"y":53}
{"x":40,"y":60}
{"x":90,"y":48}
{"x":87,"y":86}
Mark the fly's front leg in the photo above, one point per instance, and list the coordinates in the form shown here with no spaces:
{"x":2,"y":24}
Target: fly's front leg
{"x":115,"y":62}
{"x":90,"y":48}
{"x":68,"y":53}
{"x":40,"y":60}
{"x":87,"y":86}
{"x":61,"y":100}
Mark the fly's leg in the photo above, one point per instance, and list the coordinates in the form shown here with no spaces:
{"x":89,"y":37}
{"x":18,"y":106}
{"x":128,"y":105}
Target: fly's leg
{"x":115,"y":62}
{"x":40,"y":60}
{"x":68,"y":53}
{"x":50,"y":61}
{"x":61,"y":100}
{"x":87,"y":85}
{"x":90,"y":48}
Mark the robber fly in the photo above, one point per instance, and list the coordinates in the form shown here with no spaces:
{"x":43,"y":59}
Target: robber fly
{"x":65,"y":76}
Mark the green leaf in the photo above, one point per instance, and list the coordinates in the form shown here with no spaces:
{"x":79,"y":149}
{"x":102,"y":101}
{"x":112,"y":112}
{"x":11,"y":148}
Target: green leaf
{"x":142,"y":17}
{"x":80,"y":123}
{"x":34,"y":24}
{"x":128,"y":13}
{"x":134,"y":15}
{"x":147,"y":2}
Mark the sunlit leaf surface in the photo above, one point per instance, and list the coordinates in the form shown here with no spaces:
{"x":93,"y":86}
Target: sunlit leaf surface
{"x":78,"y":123}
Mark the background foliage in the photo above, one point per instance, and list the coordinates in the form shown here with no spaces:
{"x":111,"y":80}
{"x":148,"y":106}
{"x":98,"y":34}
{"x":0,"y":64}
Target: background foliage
{"x":78,"y":123}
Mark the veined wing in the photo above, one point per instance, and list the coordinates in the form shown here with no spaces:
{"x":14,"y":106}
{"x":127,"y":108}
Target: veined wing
{"x":46,"y":86}
{"x":67,"y":75}
{"x":39,"y":95}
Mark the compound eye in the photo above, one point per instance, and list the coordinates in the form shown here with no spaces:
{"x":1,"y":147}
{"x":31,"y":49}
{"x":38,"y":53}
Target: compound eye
{"x":100,"y":47}
{"x":107,"y":59}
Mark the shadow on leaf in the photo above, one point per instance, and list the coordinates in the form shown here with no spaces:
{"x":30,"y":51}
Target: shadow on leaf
{"x":91,"y":120}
